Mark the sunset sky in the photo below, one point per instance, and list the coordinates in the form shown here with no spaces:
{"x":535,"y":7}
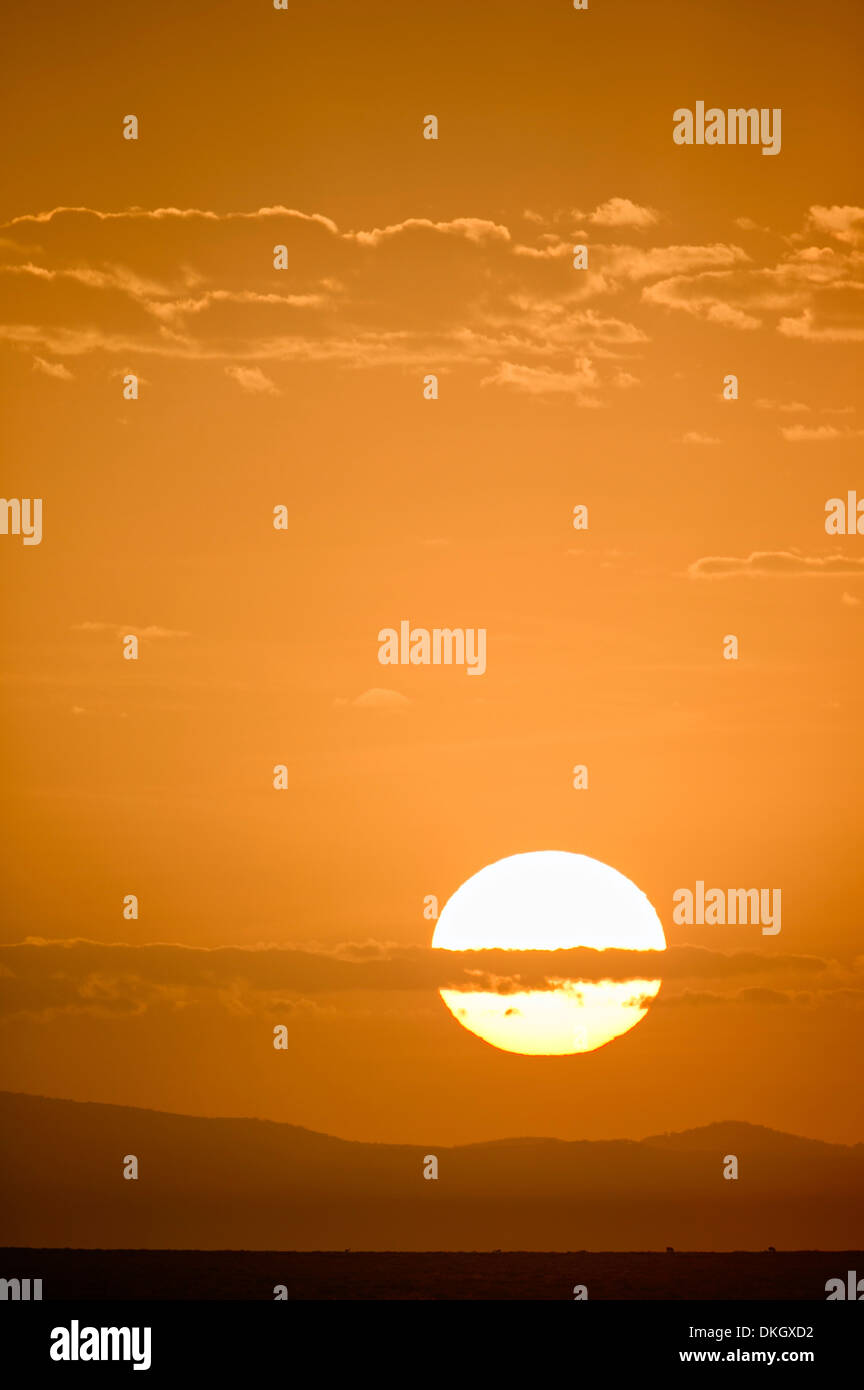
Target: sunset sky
{"x":304,"y":387}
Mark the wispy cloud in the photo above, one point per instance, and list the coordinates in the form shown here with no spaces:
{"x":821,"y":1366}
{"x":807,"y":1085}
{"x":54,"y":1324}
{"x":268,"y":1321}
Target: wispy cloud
{"x":473,"y":229}
{"x":792,"y":407}
{"x":845,"y":223}
{"x":253,"y":381}
{"x":779,"y":564}
{"x":136,"y":214}
{"x":204,"y":289}
{"x":581,"y":381}
{"x":53,"y":369}
{"x":821,"y":434}
{"x":704,"y":296}
{"x":120,"y":629}
{"x":813,"y":330}
{"x":45,"y":978}
{"x":377,"y":697}
{"x":622,"y":212}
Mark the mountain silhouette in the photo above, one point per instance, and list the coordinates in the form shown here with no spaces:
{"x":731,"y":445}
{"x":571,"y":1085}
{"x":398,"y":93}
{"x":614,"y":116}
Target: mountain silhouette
{"x":248,"y":1184}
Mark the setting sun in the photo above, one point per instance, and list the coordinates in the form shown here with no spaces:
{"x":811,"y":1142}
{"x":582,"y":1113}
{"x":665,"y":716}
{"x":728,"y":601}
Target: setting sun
{"x":551,"y":901}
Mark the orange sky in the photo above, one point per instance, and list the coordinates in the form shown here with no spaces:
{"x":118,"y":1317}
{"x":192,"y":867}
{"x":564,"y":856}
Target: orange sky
{"x":304,"y":387}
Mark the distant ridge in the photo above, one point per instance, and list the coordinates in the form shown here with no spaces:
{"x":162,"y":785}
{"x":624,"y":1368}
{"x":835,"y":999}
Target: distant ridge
{"x":253,"y":1184}
{"x":716,"y":1129}
{"x":728,"y":1131}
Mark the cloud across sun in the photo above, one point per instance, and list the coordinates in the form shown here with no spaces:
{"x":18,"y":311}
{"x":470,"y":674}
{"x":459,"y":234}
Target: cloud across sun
{"x":551,"y":900}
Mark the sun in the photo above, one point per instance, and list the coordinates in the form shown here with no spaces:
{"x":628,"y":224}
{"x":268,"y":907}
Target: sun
{"x":551,"y":900}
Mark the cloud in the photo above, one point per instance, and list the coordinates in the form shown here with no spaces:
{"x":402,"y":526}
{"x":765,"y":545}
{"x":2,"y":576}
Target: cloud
{"x":180,"y":308}
{"x":845,"y":223}
{"x":554,"y":250}
{"x":253,"y":380}
{"x":813,"y":288}
{"x":651,"y":263}
{"x":792,"y":407}
{"x":44,"y":978}
{"x":779,"y":564}
{"x":136,"y":214}
{"x":806,"y":327}
{"x":452,"y":315}
{"x":541,"y":326}
{"x":204,"y":289}
{"x":108,"y":277}
{"x":473,"y":229}
{"x":378,"y":697}
{"x":692,"y":437}
{"x":805,"y":434}
{"x":120,"y":629}
{"x":759,"y":996}
{"x":55,"y":369}
{"x":582,"y":381}
{"x":849,"y":600}
{"x":621,"y":212}
{"x":701,"y":296}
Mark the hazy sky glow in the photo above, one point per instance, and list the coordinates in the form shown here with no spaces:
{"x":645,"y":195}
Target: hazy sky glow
{"x":303,"y":388}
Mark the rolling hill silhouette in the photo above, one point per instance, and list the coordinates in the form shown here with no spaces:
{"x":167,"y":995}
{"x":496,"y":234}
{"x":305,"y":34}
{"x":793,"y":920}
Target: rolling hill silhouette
{"x":246,"y":1184}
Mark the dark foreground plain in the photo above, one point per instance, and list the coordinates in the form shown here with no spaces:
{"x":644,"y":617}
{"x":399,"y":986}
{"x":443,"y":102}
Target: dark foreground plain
{"x":238,"y":1274}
